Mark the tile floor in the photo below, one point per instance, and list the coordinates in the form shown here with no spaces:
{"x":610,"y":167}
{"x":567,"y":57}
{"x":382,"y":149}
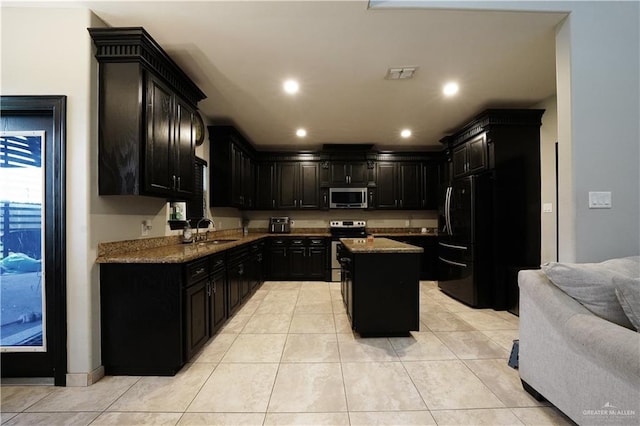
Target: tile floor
{"x":288,"y":357}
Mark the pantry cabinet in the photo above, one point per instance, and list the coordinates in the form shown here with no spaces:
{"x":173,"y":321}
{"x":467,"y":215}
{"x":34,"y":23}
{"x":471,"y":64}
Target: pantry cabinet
{"x":147,"y":117}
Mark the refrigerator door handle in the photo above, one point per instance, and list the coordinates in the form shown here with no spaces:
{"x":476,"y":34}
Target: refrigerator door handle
{"x":464,"y":265}
{"x":453,"y":247}
{"x":449,"y":192}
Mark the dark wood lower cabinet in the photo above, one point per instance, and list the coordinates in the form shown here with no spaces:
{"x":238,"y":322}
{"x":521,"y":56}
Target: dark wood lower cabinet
{"x":299,"y":258}
{"x":155,"y":317}
{"x":143,"y":318}
{"x":382,"y":293}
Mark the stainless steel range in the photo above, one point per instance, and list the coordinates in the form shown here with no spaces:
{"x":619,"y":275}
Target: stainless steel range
{"x":343,"y":229}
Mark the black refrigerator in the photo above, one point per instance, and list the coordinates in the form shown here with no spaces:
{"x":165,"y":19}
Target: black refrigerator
{"x":465,"y":243}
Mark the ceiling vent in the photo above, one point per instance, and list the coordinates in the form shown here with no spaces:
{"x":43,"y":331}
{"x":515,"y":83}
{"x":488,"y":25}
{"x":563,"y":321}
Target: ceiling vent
{"x":400,"y":73}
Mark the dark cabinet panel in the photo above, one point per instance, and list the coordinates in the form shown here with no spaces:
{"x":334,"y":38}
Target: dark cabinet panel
{"x":287,"y":185}
{"x":159,"y":144}
{"x":317,"y":263}
{"x":297,"y":261}
{"x":196,"y":317}
{"x":278,"y":262}
{"x":218,"y":300}
{"x":386,"y":190}
{"x":430,"y":185}
{"x":185,"y":148}
{"x":265,"y":186}
{"x":309,"y":186}
{"x":409,"y":186}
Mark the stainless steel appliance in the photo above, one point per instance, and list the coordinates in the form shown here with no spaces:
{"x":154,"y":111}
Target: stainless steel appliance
{"x":343,"y":229}
{"x":348,"y":198}
{"x":280,"y":225}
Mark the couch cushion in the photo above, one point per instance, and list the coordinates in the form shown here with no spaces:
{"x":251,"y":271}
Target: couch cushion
{"x":628,"y":293}
{"x":591,"y":284}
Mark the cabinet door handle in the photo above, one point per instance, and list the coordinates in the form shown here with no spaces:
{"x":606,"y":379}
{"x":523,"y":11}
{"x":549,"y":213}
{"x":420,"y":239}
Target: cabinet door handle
{"x":295,"y":203}
{"x":209,"y":288}
{"x":178,"y":183}
{"x":173,"y":182}
{"x":214,"y":287}
{"x":401,"y":202}
{"x":273,"y":203}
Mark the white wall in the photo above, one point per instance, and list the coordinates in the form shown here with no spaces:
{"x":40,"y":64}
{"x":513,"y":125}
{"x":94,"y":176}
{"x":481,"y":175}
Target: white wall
{"x":548,"y":139}
{"x":598,"y":128}
{"x":48,"y":52}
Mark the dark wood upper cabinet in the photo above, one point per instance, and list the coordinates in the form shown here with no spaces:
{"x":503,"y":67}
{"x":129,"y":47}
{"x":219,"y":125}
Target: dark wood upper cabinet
{"x":470,"y":157}
{"x":399,"y":185}
{"x":298,"y":185}
{"x":232,"y":175}
{"x":147,"y":124}
{"x":348,"y":173}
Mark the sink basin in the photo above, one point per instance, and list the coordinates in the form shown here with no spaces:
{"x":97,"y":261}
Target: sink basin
{"x":217,"y":241}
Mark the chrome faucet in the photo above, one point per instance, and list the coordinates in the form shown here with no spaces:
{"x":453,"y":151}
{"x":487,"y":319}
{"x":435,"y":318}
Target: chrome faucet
{"x":206,"y":235}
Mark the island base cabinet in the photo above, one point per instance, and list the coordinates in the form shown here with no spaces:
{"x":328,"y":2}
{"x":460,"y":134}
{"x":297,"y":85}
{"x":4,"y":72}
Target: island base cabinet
{"x":142,"y":313}
{"x":384,"y":296}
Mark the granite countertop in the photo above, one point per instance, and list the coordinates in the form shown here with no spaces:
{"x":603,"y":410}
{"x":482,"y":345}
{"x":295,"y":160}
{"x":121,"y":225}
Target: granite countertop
{"x":171,"y":250}
{"x":378,"y":245}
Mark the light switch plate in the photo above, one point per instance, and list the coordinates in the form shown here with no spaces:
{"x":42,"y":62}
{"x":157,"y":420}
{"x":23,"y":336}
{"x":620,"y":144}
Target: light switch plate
{"x":600,"y":200}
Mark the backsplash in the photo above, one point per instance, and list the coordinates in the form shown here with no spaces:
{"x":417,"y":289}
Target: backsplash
{"x":321,"y":219}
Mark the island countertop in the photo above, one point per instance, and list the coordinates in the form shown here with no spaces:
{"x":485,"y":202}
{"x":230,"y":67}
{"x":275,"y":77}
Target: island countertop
{"x":378,"y":245}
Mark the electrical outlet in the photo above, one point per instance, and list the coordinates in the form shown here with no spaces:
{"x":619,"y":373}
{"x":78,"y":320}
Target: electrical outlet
{"x":220,"y":225}
{"x":600,"y":200}
{"x":144,"y":228}
{"x":407,"y":223}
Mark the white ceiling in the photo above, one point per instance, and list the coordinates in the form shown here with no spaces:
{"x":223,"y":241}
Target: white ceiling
{"x":240,"y":52}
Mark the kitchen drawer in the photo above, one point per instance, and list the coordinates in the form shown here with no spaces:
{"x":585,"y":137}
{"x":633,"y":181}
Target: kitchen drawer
{"x":196,"y":271}
{"x":217,"y":262}
{"x":317,"y":242}
{"x":238,"y":255}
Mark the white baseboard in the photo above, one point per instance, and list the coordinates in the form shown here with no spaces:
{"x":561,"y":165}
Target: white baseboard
{"x":85,"y":379}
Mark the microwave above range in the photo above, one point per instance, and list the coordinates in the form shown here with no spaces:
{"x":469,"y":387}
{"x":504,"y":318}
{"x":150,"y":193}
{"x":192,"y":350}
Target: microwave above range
{"x":348,"y":198}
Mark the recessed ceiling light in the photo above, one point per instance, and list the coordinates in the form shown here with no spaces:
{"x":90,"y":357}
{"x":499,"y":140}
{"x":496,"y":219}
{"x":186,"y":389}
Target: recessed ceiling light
{"x":405,"y":133}
{"x":291,"y":86}
{"x":301,"y":133}
{"x":450,"y":88}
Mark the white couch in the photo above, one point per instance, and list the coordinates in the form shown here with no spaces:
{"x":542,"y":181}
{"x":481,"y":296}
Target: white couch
{"x":586,"y":366}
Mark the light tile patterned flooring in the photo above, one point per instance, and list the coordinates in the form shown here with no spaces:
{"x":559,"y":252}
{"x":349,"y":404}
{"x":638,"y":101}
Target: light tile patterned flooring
{"x":288,"y":357}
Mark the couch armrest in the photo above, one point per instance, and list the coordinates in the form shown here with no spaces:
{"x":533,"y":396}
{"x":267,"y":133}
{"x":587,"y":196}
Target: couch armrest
{"x":607,"y":344}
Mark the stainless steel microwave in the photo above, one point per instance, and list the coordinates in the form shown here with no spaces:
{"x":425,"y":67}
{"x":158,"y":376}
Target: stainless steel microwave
{"x":348,"y":198}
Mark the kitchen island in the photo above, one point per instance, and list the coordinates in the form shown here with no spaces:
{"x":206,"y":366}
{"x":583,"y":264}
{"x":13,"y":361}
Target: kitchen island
{"x":380,"y":285}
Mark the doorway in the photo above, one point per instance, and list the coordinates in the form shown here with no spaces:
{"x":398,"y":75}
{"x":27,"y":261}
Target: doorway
{"x":33,"y":340}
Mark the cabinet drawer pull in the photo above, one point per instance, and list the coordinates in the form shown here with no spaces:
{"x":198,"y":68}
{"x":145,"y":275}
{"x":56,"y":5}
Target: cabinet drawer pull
{"x":199,"y":271}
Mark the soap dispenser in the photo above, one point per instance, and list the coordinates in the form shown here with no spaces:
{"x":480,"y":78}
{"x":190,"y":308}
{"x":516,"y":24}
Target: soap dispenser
{"x":187,"y":234}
